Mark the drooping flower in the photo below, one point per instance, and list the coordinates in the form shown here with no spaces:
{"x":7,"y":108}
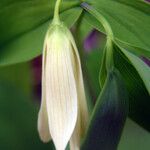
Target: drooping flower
{"x":63,"y":113}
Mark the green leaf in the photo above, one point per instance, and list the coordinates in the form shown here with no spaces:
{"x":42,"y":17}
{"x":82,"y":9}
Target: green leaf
{"x":19,"y":17}
{"x":109,"y":115}
{"x":139,"y":99}
{"x":128,"y":19}
{"x":134,"y":137}
{"x":71,"y":16}
{"x":133,"y":49}
{"x":140,"y":66}
{"x":23,"y":40}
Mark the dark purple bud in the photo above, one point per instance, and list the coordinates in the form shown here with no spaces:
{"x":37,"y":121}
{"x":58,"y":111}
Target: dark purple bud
{"x":92,"y":40}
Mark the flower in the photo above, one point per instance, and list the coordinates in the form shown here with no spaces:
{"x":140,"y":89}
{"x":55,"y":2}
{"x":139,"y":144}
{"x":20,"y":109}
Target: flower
{"x":63,"y":113}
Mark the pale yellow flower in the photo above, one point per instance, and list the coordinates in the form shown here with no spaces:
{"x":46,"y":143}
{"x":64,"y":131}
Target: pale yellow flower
{"x":63,"y":113}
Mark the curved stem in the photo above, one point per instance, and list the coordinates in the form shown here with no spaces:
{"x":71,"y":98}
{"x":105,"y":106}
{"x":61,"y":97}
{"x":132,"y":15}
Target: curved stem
{"x":109,"y":54}
{"x":99,"y":17}
{"x":109,"y":33}
{"x":56,"y":19}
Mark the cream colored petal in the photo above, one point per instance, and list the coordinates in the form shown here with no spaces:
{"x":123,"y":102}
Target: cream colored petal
{"x":80,"y":88}
{"x":61,"y":95}
{"x":83,"y":109}
{"x":43,"y":127}
{"x":75,"y":138}
{"x":82,"y":120}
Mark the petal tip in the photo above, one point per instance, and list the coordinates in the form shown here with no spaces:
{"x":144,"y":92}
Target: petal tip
{"x":43,"y":129}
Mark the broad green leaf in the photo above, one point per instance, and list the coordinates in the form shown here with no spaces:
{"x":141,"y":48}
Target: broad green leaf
{"x":108,"y":116}
{"x":133,"y":49}
{"x":69,"y":17}
{"x":21,"y":16}
{"x":134,"y":137}
{"x":128,"y":19}
{"x":140,"y":66}
{"x":18,"y":123}
{"x":139,"y":99}
{"x":30,"y":44}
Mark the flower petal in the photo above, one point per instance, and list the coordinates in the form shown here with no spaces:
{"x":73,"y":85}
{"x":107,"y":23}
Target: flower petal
{"x":43,"y":127}
{"x":82,"y":120}
{"x":61,"y":95}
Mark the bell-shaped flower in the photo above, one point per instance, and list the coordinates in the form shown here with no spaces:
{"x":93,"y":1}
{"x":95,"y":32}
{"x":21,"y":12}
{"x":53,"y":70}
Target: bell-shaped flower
{"x":63,"y":113}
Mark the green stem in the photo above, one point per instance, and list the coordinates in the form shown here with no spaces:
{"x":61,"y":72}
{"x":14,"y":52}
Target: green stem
{"x":109,"y":33}
{"x":99,"y":17}
{"x":109,"y":54}
{"x":56,"y":19}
